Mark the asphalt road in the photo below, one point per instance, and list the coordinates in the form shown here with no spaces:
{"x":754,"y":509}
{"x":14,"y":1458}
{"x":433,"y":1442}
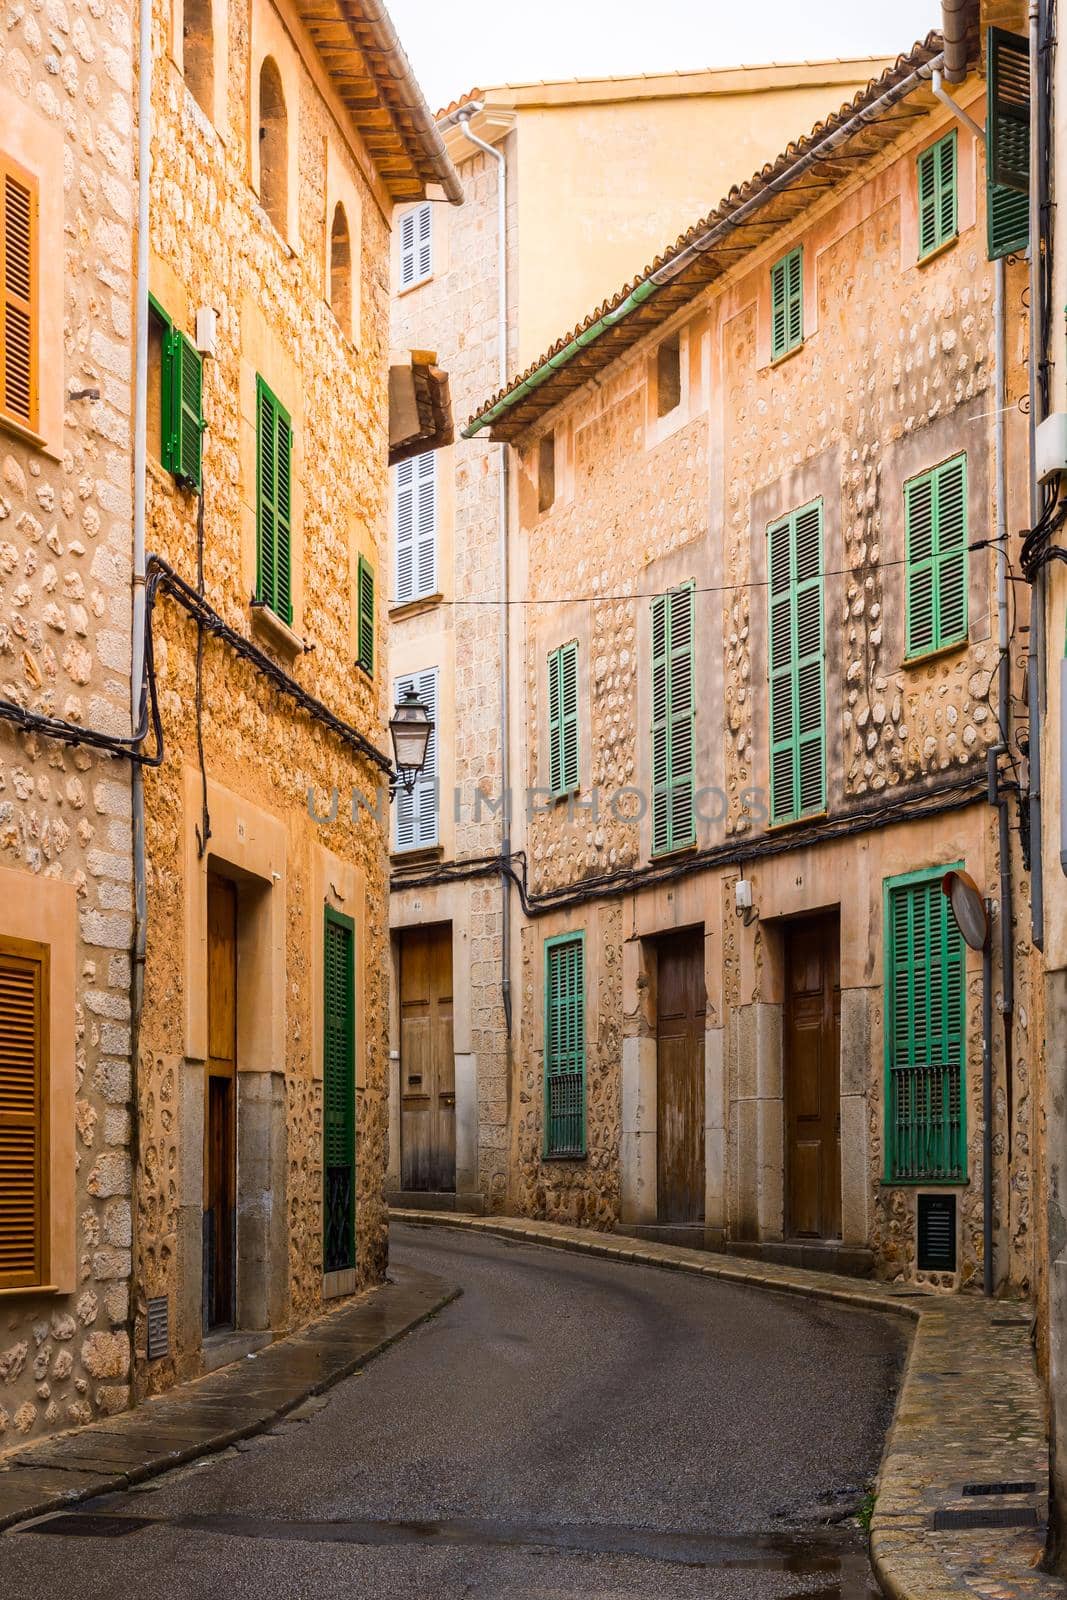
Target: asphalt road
{"x":569,"y":1427}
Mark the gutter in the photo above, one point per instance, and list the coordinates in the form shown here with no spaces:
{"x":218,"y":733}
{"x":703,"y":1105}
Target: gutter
{"x":955,"y":25}
{"x":706,"y":242}
{"x":394,"y":66}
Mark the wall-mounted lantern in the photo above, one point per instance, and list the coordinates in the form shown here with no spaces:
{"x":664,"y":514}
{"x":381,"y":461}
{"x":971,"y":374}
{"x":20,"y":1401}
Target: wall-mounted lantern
{"x":410,"y":727}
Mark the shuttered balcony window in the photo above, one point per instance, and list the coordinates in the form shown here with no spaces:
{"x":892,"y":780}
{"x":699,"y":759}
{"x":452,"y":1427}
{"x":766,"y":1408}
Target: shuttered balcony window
{"x":797,"y":665}
{"x":274,"y":457}
{"x":563,"y":719}
{"x":416,"y":528}
{"x":925,"y":1031}
{"x":24,"y":1132}
{"x":673,"y":721}
{"x":787,"y":304}
{"x":339,"y":1091}
{"x":417,"y":813}
{"x":935,"y":517}
{"x":937,"y":195}
{"x":19,"y":268}
{"x":365,"y":616}
{"x":1007,"y":142}
{"x":564,"y":1050}
{"x":416,"y":245}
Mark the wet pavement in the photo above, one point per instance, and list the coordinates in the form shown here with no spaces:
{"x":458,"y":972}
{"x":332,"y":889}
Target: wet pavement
{"x":565,"y":1428}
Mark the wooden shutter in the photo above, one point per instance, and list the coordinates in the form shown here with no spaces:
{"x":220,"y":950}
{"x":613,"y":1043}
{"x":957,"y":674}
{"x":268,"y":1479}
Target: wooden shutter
{"x":935,"y":515}
{"x":274,"y":441}
{"x":563,"y":718}
{"x":416,"y":245}
{"x":23,"y":1113}
{"x":407,"y":249}
{"x":187,"y":409}
{"x":338,"y":1090}
{"x":925,"y":1034}
{"x":797,"y":665}
{"x":937,"y":194}
{"x":365,"y":616}
{"x":564,"y":1047}
{"x":417,"y":812}
{"x":425,"y":241}
{"x":1007,"y":142}
{"x":19,"y":334}
{"x":416,"y":528}
{"x":673,"y":804}
{"x":787,"y":304}
{"x":405,"y":531}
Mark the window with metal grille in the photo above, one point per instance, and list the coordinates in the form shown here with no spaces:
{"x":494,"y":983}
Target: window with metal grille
{"x":937,"y":194}
{"x":24,"y":1131}
{"x":416,"y":245}
{"x":416,"y":528}
{"x":935,"y":517}
{"x":365,"y":616}
{"x":274,"y":450}
{"x":338,"y":1091}
{"x":787,"y":304}
{"x":673,"y":719}
{"x":19,"y":268}
{"x":565,"y":1045}
{"x":925,"y":1033}
{"x":563,"y":718}
{"x":797,"y":665}
{"x":1007,"y":142}
{"x":417,"y":813}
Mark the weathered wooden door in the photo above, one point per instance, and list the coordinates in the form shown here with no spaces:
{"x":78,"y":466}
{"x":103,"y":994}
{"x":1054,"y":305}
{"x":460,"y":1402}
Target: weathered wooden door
{"x":220,"y":1105}
{"x":680,"y":1021}
{"x":427,"y":1063}
{"x":812,"y":1067}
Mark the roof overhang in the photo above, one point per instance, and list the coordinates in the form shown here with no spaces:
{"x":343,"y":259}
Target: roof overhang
{"x":420,"y":407}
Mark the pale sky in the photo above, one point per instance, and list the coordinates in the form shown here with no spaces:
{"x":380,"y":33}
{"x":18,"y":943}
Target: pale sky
{"x":454,"y":45}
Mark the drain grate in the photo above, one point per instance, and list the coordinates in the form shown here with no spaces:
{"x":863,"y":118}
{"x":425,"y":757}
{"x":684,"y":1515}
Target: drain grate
{"x":986,"y":1517}
{"x":86,"y":1525}
{"x":1000,"y":1488}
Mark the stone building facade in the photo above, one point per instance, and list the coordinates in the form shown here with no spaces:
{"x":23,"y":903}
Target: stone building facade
{"x":66,"y":117}
{"x":746,"y":1019}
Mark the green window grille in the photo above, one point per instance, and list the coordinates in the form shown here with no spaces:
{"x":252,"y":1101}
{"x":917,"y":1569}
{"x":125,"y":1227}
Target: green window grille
{"x":935,"y":518}
{"x":787,"y":304}
{"x":937,"y":195}
{"x":1007,"y":143}
{"x":673,"y":716}
{"x":338,"y":1091}
{"x":365,"y":616}
{"x":274,"y":456}
{"x":181,"y":402}
{"x":565,"y":1045}
{"x":797,"y":665}
{"x":563,"y":718}
{"x":925,"y":1032}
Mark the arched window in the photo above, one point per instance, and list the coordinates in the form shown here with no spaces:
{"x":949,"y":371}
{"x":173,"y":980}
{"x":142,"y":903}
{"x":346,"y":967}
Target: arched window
{"x":199,"y":53}
{"x":273,"y":146}
{"x":341,"y":269}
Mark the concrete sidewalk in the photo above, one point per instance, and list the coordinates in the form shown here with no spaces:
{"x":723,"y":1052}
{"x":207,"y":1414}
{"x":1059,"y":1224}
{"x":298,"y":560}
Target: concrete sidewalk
{"x":198,"y":1418}
{"x":970,"y":1418}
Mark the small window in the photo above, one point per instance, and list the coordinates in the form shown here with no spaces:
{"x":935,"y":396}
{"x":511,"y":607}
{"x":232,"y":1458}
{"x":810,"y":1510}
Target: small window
{"x":198,"y":53}
{"x":935,"y":517}
{"x":416,"y":528}
{"x":564,"y":1047}
{"x":274,"y":453}
{"x":273,"y":146}
{"x":416,"y":245}
{"x":341,"y":269}
{"x":365,"y":616}
{"x":787,"y":304}
{"x":563,"y":719}
{"x":24,"y":1097}
{"x":546,"y":472}
{"x":669,"y":375}
{"x":18,"y":307}
{"x":937,"y":195}
{"x":417,"y":813}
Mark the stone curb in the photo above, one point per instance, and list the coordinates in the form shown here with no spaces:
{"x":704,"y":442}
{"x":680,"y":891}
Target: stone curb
{"x":200,"y":1418}
{"x":970,"y":1407}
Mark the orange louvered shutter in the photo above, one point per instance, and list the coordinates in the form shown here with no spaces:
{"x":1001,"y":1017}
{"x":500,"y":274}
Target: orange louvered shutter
{"x":18,"y":336}
{"x":23,"y":1113}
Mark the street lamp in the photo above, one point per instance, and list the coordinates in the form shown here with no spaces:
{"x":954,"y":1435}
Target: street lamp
{"x":410,"y":727}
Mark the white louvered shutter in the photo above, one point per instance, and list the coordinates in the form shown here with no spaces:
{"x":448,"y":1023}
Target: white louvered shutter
{"x":426,"y":524}
{"x":405,"y":532}
{"x":408,"y":228}
{"x":425,"y":241}
{"x":417,"y":812}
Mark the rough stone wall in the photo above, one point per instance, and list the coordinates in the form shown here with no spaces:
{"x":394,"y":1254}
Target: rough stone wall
{"x":65,"y":544}
{"x":210,"y":234}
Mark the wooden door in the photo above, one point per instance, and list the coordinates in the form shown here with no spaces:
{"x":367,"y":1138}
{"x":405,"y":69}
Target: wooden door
{"x":220,"y":1105}
{"x":680,"y":1021}
{"x":812,"y":1067}
{"x":427,"y":1063}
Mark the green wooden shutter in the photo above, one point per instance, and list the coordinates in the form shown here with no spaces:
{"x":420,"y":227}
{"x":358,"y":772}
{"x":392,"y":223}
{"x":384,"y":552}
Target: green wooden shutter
{"x":338,"y":1091}
{"x":673,"y":716}
{"x":188,"y":409}
{"x":787,"y":304}
{"x":365,"y":616}
{"x":274,"y":442}
{"x":1007,"y":142}
{"x":935,"y":515}
{"x":564,"y":1046}
{"x":563,"y":756}
{"x":937,"y":194}
{"x":925,"y":1126}
{"x":797,"y":665}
